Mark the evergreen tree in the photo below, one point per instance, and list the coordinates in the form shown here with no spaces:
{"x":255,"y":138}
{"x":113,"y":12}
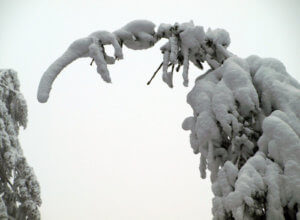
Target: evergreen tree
{"x":246,"y":121}
{"x":19,"y":189}
{"x":246,"y":128}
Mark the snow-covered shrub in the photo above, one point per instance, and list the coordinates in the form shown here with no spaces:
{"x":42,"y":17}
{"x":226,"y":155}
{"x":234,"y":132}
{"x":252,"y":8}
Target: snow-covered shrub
{"x":19,"y":189}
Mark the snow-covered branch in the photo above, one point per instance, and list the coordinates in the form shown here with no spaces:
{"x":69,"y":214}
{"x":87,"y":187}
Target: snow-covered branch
{"x":186,"y":42}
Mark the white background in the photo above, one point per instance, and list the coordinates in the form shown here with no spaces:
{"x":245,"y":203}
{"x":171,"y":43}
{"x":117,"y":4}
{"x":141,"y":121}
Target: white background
{"x":117,"y":151}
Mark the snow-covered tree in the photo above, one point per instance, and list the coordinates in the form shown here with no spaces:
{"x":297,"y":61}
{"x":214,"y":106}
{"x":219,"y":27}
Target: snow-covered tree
{"x":19,"y":189}
{"x":246,"y":121}
{"x":246,"y":125}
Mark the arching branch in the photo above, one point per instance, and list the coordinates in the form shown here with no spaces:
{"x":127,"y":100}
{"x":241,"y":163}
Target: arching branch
{"x":186,"y":42}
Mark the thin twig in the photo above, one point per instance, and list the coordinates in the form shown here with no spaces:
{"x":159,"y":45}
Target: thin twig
{"x":172,"y":70}
{"x":200,"y":64}
{"x":92,"y":62}
{"x":148,"y":83}
{"x":178,"y":68}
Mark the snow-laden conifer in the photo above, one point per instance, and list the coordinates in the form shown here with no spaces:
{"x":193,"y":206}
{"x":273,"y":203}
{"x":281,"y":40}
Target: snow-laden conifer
{"x":19,"y":188}
{"x":246,"y":127}
{"x":245,"y":122}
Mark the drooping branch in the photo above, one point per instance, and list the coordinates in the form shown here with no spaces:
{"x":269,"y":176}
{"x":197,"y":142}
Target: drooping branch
{"x":186,"y":42}
{"x":245,"y":121}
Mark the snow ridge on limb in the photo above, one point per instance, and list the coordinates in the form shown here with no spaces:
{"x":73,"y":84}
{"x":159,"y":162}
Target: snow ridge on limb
{"x":137,"y":35}
{"x":90,"y":46}
{"x":251,"y":144}
{"x":186,"y":42}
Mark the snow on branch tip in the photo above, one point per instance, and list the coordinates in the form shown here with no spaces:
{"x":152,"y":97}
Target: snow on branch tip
{"x":185,"y":42}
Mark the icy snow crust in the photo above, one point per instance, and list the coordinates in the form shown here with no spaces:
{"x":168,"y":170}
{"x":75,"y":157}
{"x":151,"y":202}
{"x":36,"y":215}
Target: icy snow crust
{"x":19,"y":191}
{"x":246,"y":125}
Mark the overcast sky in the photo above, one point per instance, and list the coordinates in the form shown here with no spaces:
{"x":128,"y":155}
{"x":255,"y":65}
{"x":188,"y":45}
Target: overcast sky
{"x":117,"y":151}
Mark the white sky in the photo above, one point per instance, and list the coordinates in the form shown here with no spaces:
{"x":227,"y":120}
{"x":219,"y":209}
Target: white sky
{"x":117,"y":151}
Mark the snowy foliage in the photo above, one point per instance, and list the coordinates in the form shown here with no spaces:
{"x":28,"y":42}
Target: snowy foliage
{"x":246,"y":125}
{"x":246,"y":114}
{"x":19,"y":189}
